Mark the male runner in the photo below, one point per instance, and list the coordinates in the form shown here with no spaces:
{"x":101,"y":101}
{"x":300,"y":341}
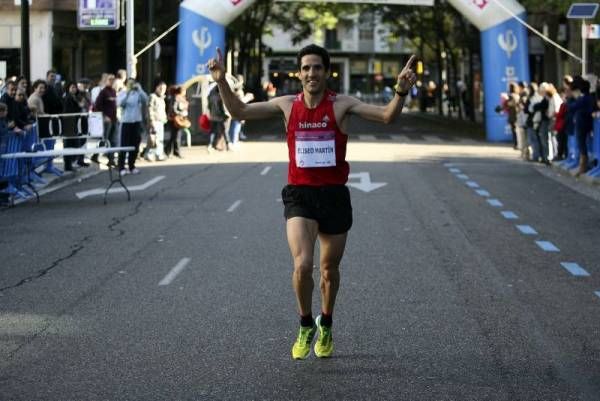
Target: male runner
{"x":316,"y":199}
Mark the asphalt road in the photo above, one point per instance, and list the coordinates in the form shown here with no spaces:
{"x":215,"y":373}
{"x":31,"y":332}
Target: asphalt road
{"x":184,"y":293}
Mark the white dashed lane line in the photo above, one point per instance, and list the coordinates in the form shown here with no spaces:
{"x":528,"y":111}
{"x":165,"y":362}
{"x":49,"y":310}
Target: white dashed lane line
{"x":575,"y":269}
{"x":507,"y":214}
{"x":174,"y":272}
{"x":265,"y":170}
{"x":527,"y":230}
{"x":495,"y":202}
{"x":234,"y":206}
{"x":547,"y":246}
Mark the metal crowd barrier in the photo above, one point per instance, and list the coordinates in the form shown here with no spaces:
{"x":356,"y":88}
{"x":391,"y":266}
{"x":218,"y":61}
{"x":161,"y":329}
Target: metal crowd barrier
{"x":12,"y":171}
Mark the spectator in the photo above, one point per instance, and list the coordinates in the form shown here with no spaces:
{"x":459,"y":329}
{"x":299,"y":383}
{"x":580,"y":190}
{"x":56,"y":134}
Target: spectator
{"x":532,"y":99}
{"x":71,"y":105}
{"x":52,"y":96}
{"x":521,"y":125}
{"x":512,"y":106}
{"x":582,"y":109}
{"x":235,"y":127}
{"x":179,"y":112}
{"x":100,"y":85}
{"x":52,"y":99}
{"x":23,"y":84}
{"x":541,"y":122}
{"x":157,"y":113}
{"x":75,"y":102}
{"x":560,"y":126}
{"x":35,"y":102}
{"x":25,"y":118}
{"x":9,"y":100}
{"x":107,"y":104}
{"x":217,"y":117}
{"x":133,"y":102}
{"x":554,"y":103}
{"x":121,"y":78}
{"x":3,"y":113}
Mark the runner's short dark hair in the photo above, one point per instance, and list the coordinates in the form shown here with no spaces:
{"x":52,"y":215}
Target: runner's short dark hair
{"x":316,"y":50}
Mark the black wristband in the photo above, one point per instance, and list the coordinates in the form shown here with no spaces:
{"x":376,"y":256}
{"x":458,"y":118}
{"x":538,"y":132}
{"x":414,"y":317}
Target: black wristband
{"x":402,"y":94}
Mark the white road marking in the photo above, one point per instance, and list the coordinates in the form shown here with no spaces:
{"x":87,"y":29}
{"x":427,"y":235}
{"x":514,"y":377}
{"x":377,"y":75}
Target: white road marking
{"x":265,"y":170}
{"x":455,"y":170}
{"x":472,"y":184}
{"x":495,"y":202}
{"x":509,"y":215}
{"x":100,"y":191}
{"x":174,"y":272}
{"x":364,"y":183}
{"x":575,"y":269}
{"x":462,"y":176}
{"x":235,"y":205}
{"x":483,"y":192}
{"x":527,"y":230}
{"x":547,"y":246}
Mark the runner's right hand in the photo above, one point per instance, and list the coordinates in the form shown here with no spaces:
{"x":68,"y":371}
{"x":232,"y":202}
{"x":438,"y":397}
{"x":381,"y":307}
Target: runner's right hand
{"x":216,"y":68}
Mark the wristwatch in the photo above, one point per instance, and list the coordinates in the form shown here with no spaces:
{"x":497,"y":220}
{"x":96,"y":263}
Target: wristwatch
{"x":401,"y":94}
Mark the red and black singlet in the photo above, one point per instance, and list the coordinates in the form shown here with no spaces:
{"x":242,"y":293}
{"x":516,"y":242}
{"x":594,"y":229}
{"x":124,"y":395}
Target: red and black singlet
{"x":316,"y":145}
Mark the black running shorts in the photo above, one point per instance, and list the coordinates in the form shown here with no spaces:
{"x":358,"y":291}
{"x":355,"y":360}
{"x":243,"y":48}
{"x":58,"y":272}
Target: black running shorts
{"x":329,"y":205}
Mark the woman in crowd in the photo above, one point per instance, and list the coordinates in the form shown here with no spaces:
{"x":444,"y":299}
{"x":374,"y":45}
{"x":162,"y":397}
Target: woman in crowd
{"x":179,"y":121}
{"x":133,"y":102}
{"x":157,"y":113}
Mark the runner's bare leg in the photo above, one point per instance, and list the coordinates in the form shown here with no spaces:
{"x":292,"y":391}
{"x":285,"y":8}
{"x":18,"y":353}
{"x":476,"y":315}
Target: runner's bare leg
{"x":332,"y":250}
{"x":302,"y":235}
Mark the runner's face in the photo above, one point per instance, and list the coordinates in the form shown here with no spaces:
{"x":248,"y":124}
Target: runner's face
{"x":312,"y":74}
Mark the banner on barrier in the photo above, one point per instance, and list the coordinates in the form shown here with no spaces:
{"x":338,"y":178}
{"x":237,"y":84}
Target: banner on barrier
{"x":96,"y":125}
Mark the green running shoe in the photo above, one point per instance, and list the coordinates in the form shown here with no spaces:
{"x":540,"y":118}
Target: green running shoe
{"x":324,"y":344}
{"x":301,"y":348}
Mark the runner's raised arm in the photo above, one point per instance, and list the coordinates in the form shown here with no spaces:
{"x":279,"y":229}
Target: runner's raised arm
{"x":238,"y":109}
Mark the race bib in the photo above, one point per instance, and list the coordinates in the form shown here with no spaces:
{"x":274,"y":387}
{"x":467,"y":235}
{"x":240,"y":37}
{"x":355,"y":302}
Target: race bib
{"x":315,"y":149}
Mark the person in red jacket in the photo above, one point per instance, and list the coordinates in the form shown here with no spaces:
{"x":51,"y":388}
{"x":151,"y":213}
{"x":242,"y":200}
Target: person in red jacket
{"x":316,"y":199}
{"x":560,"y":126}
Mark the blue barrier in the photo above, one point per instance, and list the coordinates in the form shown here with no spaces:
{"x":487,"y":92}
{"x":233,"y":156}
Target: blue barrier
{"x":595,"y":172}
{"x":14,"y":171}
{"x":11,"y":142}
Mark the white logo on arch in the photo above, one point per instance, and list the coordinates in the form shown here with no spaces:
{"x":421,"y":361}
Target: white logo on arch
{"x":202,"y":39}
{"x":508,"y":42}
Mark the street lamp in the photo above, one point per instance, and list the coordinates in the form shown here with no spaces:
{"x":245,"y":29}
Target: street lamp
{"x":583,"y":11}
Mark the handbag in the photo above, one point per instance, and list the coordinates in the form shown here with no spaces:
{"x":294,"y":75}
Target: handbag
{"x":204,"y":123}
{"x":181,"y":122}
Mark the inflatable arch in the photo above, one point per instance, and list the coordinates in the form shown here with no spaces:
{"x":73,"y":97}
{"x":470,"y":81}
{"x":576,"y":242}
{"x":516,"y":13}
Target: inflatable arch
{"x":504,"y":48}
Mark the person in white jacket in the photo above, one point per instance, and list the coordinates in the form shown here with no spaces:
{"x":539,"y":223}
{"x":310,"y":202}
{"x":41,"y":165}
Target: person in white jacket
{"x":157,"y":113}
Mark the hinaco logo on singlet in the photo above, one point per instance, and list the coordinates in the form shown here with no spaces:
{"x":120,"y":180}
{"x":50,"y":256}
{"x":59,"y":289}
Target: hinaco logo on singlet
{"x":306,"y":125}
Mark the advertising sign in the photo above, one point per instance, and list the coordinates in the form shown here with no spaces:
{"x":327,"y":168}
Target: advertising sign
{"x":202,"y":30}
{"x":98,"y":14}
